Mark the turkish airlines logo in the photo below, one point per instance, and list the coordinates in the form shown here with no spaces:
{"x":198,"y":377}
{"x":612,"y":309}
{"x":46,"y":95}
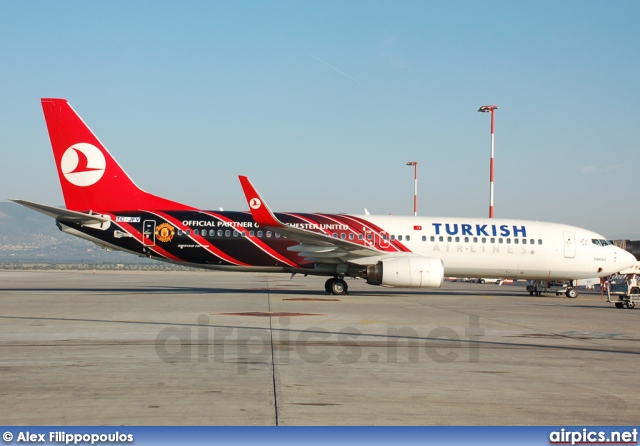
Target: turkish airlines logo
{"x":83,"y":164}
{"x":255,"y":203}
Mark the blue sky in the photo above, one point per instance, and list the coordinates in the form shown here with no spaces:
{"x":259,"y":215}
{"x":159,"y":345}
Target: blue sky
{"x":322,"y":104}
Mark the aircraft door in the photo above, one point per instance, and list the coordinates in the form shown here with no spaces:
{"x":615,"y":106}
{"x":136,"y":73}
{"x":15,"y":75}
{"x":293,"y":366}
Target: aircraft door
{"x":569,"y":245}
{"x":149,"y":232}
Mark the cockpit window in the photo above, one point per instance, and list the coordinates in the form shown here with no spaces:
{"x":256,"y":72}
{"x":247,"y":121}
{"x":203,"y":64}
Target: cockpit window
{"x":601,"y":242}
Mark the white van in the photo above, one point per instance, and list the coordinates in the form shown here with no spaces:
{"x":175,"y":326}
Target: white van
{"x":492,"y":280}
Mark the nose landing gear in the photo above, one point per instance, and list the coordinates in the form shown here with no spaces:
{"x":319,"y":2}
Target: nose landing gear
{"x":336,"y":285}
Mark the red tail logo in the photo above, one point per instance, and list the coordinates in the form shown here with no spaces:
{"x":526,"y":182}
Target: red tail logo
{"x":90,"y":177}
{"x":83,"y":164}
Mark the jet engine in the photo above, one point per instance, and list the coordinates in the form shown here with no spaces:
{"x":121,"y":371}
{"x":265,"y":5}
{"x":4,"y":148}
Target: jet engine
{"x":407,"y":272}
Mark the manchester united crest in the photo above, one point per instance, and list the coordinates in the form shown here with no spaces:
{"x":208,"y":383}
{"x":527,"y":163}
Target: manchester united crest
{"x":165,"y":232}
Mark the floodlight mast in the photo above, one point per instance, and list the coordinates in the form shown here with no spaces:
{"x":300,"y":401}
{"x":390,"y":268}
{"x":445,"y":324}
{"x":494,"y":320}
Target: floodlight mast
{"x":415,"y":186}
{"x":491,"y":109}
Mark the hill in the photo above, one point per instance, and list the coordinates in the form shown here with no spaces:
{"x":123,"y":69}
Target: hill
{"x":27,"y":236}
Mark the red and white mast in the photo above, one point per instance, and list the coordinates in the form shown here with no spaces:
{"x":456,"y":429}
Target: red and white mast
{"x":415,"y":186}
{"x":492,"y":109}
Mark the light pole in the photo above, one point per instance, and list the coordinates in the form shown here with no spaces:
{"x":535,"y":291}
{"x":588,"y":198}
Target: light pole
{"x":492,"y":109}
{"x":415,"y":186}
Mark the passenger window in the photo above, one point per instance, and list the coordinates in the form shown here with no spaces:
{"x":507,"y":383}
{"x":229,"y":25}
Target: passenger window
{"x":227,"y":233}
{"x":441,"y":238}
{"x":360,"y":237}
{"x":408,"y":238}
{"x":277,"y":235}
{"x":493,"y":240}
{"x":516,"y":241}
{"x":539,"y":241}
{"x":268,"y":233}
{"x":466,"y":239}
{"x":335,"y":235}
{"x":188,"y":231}
{"x":457,"y":239}
{"x":369,"y":236}
{"x":393,"y":237}
{"x":400,"y":237}
{"x":500,"y":240}
{"x":259,"y":233}
{"x":195,"y":232}
{"x":424,"y":238}
{"x":475,"y":240}
{"x":508,"y":241}
{"x":179,"y":231}
{"x":524,"y":241}
{"x":532,"y":242}
{"x":433,"y":239}
{"x":220,"y":233}
{"x":351,"y":237}
{"x":449,"y":239}
{"x":343,"y":236}
{"x":251,"y":233}
{"x":244,"y":233}
{"x":484,"y":240}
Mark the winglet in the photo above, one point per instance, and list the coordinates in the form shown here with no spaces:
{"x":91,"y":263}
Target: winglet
{"x":259,"y":209}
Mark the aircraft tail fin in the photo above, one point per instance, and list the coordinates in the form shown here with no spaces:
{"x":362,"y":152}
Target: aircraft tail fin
{"x":90,"y":177}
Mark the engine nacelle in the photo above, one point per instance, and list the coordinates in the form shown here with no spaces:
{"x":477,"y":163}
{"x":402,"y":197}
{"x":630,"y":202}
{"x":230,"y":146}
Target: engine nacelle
{"x":407,"y":272}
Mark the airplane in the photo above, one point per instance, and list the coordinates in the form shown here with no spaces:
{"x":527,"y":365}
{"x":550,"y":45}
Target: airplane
{"x":105,"y":206}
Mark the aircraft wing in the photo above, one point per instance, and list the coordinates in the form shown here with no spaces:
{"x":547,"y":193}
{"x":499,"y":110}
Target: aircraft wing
{"x":59,"y":213}
{"x":313,"y":246}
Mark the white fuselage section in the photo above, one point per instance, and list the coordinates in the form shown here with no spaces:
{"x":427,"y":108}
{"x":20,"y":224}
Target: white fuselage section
{"x":518,"y":249}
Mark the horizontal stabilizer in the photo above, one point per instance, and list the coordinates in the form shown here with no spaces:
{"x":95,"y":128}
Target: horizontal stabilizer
{"x":64,"y":214}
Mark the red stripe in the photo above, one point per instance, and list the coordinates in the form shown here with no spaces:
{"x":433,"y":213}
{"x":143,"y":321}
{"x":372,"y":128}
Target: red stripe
{"x":141,"y":238}
{"x":200,"y":240}
{"x":395,"y":244}
{"x":311,"y":222}
{"x":256,"y":241}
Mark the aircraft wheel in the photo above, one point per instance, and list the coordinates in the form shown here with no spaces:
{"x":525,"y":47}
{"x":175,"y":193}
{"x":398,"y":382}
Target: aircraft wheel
{"x":619,"y":305}
{"x":530,"y":293}
{"x":328,"y":285}
{"x":572,"y":293}
{"x":631,"y":305}
{"x":338,"y":286}
{"x":481,"y":281}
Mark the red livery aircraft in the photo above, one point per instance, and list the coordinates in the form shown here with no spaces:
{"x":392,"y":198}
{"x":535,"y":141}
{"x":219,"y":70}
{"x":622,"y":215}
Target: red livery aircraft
{"x":105,"y":206}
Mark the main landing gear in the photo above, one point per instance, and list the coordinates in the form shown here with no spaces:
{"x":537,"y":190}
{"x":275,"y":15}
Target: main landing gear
{"x":336,"y":285}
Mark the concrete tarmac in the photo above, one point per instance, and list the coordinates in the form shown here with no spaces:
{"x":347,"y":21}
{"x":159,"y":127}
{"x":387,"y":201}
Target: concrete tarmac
{"x":213,"y":348}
